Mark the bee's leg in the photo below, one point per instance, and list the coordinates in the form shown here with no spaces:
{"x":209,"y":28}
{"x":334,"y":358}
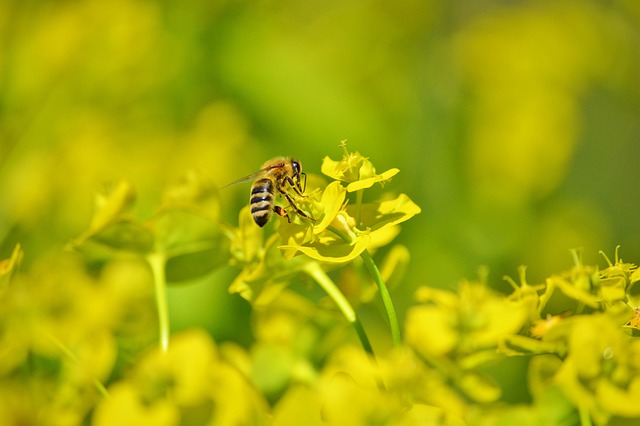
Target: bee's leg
{"x":292,"y":204}
{"x":292,"y":184}
{"x":282,"y":212}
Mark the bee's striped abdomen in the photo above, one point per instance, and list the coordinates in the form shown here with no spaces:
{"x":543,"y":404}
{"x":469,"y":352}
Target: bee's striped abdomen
{"x":261,"y":201}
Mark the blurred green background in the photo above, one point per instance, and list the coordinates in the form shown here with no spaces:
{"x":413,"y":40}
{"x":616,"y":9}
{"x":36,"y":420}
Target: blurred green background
{"x":515,"y":124}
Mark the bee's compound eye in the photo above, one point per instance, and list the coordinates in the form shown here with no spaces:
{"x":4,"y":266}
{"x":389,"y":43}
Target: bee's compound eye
{"x":296,"y":166}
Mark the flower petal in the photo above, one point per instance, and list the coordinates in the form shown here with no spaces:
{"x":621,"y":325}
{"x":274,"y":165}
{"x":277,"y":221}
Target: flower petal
{"x":332,"y":200}
{"x":369,"y":182}
{"x":330,"y":249}
{"x":377,"y":216}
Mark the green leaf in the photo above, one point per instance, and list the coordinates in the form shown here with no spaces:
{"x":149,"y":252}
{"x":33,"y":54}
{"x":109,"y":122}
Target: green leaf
{"x":193,"y":190}
{"x":112,"y":228}
{"x":192,"y":244}
{"x":112,"y":205}
{"x":190,"y":266}
{"x":179,"y":231}
{"x":124,"y":235}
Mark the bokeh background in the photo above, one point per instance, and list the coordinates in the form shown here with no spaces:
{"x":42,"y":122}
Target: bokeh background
{"x":515,"y":124}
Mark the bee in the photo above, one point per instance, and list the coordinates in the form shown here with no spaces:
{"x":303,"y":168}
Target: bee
{"x":275,"y":176}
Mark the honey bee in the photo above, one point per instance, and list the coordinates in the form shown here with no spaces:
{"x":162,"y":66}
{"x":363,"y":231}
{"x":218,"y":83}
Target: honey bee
{"x":276,"y":175}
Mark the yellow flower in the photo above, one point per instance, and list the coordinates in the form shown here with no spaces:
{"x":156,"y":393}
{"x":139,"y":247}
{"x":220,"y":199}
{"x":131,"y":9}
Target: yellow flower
{"x":355,"y":169}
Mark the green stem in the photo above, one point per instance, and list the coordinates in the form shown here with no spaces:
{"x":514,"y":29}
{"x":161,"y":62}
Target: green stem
{"x":585,"y":419}
{"x":384,"y":291}
{"x":340,"y":234}
{"x":320,"y":276}
{"x":386,"y":297}
{"x":67,"y":352}
{"x":157,"y":263}
{"x":359,"y":195}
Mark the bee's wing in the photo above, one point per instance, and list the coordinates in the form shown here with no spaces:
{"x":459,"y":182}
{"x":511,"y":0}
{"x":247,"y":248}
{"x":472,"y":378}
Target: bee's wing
{"x":252,"y":176}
